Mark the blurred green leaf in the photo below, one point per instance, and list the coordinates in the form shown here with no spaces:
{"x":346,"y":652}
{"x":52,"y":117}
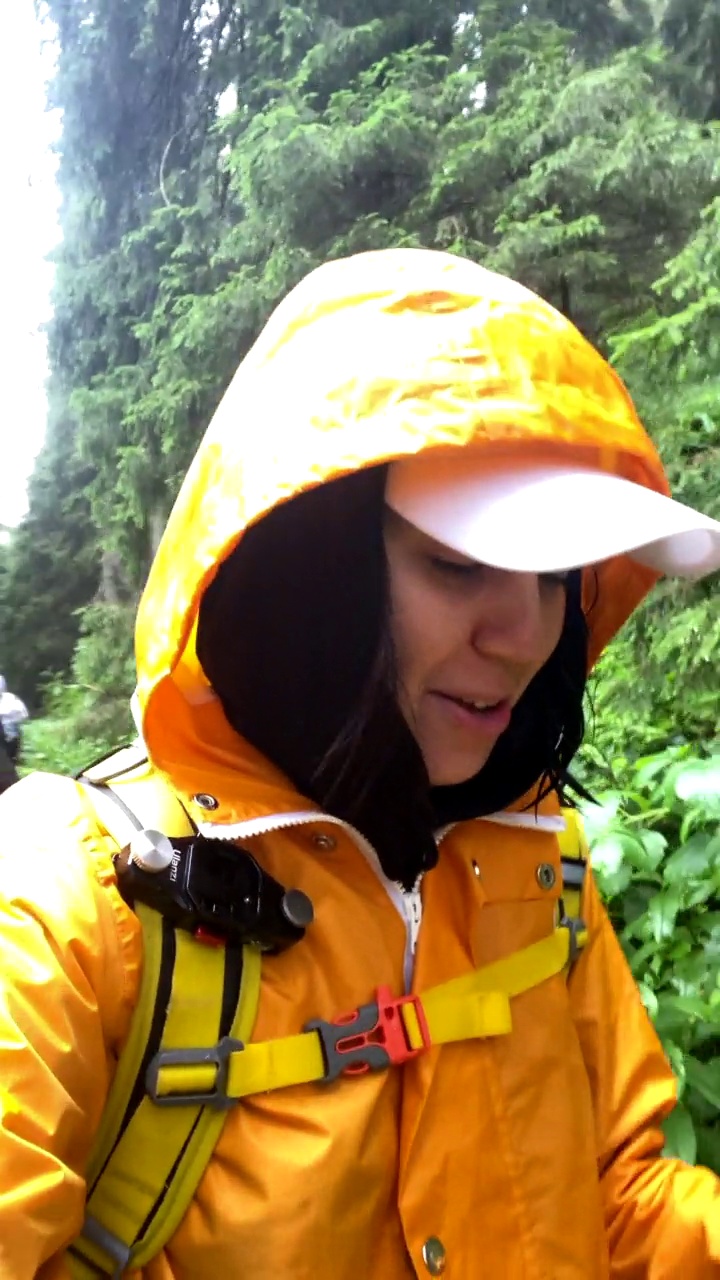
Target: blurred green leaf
{"x":680,"y":1138}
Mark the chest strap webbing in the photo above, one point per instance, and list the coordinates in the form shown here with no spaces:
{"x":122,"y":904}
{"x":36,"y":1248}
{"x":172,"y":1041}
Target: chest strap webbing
{"x":386,"y":1032}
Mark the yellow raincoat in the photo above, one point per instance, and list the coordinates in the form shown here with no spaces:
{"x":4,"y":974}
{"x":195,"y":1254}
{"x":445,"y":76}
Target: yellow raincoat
{"x":527,"y":1156}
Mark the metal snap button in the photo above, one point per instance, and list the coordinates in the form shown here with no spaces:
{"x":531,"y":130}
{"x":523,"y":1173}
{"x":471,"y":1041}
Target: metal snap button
{"x":434,"y":1256}
{"x":545,"y":875}
{"x":205,"y":801}
{"x":323,"y":842}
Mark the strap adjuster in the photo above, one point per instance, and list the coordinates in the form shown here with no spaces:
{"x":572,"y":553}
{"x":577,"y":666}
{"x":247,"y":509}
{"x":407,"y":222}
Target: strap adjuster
{"x":218,"y":1057}
{"x":372,"y":1037}
{"x":576,"y":928}
{"x":111,"y":1245}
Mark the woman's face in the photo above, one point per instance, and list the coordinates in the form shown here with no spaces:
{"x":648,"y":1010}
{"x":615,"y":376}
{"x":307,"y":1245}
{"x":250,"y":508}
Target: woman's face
{"x":468,"y":640}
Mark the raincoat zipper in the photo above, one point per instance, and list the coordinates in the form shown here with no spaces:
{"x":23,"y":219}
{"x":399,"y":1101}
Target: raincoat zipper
{"x":407,"y":902}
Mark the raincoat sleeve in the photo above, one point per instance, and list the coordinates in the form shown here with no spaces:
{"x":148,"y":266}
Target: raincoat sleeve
{"x":662,"y":1217}
{"x":68,"y":966}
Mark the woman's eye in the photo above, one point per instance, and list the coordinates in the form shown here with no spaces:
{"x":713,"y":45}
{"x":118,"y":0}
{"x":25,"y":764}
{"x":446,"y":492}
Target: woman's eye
{"x":454,"y":568}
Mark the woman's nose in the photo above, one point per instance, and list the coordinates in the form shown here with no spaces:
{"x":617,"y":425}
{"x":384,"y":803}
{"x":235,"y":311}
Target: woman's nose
{"x":516,"y":615}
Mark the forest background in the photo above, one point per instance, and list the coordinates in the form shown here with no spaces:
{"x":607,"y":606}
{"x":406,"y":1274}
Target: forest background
{"x":212,"y":152}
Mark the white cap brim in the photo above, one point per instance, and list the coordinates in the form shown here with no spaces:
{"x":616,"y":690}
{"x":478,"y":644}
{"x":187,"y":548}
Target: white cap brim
{"x":545,"y":518}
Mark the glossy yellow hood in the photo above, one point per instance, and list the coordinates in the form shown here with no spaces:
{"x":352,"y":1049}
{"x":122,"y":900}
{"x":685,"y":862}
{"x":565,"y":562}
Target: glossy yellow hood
{"x":371,"y":358}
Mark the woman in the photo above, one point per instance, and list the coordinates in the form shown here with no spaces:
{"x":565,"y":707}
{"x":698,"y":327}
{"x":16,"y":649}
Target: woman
{"x":362,"y":653}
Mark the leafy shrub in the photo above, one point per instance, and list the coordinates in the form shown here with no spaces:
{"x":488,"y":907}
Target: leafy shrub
{"x":656,"y":854}
{"x":78,"y":728}
{"x":88,"y":715}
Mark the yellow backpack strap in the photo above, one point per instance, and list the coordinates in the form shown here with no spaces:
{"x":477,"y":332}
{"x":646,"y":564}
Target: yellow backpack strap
{"x":148,"y":1160}
{"x":128,"y":796}
{"x":574,"y":854}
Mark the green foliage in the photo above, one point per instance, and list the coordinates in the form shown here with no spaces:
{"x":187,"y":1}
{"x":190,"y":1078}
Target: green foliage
{"x":656,"y":854}
{"x":680,"y":336}
{"x":75,"y":730}
{"x":48,"y":570}
{"x":582,"y":181}
{"x":691,"y":28}
{"x":89,"y":714}
{"x":104,"y":662}
{"x":658,"y":682}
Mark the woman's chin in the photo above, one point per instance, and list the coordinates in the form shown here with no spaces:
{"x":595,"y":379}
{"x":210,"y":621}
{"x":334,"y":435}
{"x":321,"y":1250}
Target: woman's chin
{"x":451,"y":772}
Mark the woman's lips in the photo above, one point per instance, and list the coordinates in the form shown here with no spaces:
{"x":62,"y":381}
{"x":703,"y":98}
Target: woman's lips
{"x":492,"y":720}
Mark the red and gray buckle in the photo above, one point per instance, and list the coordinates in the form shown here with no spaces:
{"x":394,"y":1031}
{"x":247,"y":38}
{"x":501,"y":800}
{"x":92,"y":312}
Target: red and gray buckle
{"x":370,"y":1038}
